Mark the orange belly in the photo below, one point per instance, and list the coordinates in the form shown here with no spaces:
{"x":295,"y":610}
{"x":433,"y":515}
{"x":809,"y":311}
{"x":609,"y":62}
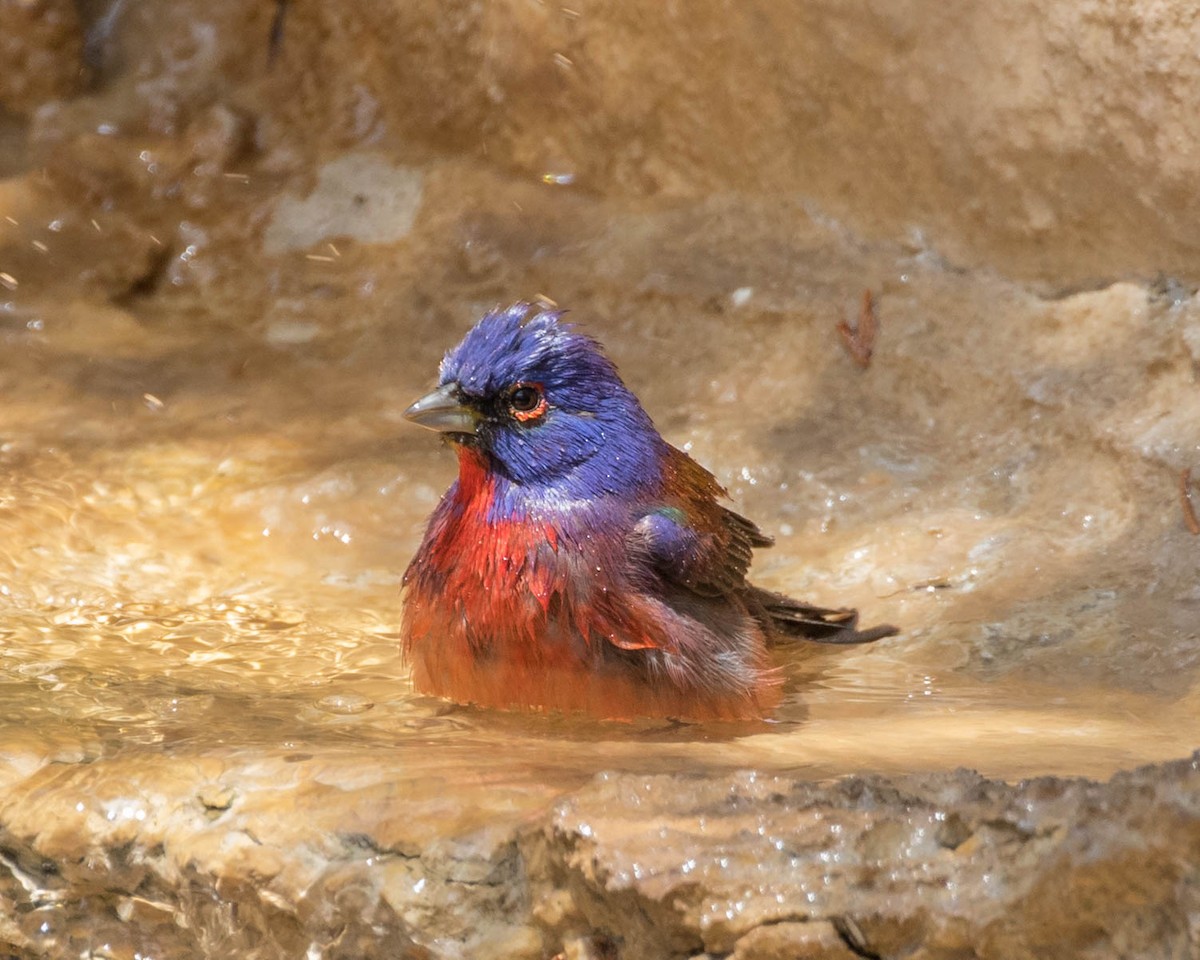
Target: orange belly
{"x":505,"y":650}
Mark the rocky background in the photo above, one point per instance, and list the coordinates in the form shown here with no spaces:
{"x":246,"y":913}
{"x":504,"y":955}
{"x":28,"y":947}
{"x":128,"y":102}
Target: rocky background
{"x":235,"y":238}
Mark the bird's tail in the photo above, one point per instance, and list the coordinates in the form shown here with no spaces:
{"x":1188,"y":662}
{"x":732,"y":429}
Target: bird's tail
{"x":790,"y":619}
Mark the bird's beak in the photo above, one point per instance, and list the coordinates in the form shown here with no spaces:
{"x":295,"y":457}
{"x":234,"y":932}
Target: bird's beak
{"x":443,"y":411}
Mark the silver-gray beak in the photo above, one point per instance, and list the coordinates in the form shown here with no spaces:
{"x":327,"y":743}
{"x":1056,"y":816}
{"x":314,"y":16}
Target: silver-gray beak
{"x":443,"y":411}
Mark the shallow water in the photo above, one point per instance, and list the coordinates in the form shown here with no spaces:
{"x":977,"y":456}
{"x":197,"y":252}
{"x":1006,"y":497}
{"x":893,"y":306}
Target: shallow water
{"x":208,"y":497}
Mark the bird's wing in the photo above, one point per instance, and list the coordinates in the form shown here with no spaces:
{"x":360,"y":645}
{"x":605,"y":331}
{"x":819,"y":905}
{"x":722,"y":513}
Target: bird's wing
{"x":691,"y":539}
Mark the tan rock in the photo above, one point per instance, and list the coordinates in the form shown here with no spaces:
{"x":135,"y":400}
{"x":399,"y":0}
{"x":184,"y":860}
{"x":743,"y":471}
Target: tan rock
{"x":41,"y":47}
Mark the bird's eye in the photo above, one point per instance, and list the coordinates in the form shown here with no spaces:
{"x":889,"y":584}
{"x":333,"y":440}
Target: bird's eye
{"x":527,"y":401}
{"x":524,"y":399}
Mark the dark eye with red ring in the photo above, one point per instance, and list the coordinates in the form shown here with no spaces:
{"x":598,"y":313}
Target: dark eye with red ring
{"x":527,"y":401}
{"x":524,"y":399}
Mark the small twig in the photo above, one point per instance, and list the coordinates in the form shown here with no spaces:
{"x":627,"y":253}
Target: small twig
{"x":1185,"y":497}
{"x":859,"y":340}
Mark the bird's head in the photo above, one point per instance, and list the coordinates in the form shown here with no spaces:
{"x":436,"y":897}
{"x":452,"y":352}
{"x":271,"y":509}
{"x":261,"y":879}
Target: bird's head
{"x":544,"y":404}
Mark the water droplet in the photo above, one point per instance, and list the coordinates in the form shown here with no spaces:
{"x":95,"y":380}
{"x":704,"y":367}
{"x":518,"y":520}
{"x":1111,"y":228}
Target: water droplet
{"x":344,"y":704}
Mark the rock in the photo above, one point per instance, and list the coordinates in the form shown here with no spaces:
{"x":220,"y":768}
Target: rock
{"x":41,"y":47}
{"x":1017,"y":162}
{"x":358,"y":196}
{"x":793,"y":941}
{"x":750,"y":865}
{"x":631,"y":867}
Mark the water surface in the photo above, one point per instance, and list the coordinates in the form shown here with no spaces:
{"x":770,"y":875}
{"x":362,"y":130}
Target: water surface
{"x":208,"y":496}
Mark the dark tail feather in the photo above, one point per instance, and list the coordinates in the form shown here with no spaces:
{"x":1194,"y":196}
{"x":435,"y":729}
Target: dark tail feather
{"x":794,"y":619}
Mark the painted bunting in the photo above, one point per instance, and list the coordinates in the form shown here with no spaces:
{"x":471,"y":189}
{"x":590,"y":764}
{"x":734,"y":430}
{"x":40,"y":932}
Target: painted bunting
{"x":580,"y":562}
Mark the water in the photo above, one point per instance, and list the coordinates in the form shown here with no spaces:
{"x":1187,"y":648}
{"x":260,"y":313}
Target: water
{"x":203,"y":522}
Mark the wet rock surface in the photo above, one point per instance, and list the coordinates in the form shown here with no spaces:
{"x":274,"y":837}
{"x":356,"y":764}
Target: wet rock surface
{"x":950,"y":864}
{"x":234,"y":241}
{"x":277,"y":855}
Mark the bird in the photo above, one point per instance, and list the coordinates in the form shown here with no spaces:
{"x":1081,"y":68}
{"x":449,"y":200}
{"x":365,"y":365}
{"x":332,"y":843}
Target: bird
{"x":580,"y":563}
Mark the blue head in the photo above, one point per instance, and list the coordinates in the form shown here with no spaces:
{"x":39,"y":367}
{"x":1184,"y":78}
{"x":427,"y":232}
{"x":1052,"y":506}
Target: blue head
{"x":545,"y":404}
